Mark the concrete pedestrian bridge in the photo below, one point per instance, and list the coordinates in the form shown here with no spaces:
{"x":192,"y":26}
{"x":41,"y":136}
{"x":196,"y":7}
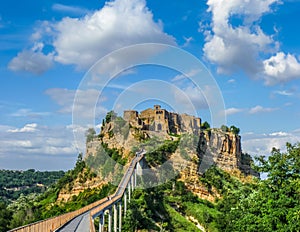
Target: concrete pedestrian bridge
{"x":110,"y":209}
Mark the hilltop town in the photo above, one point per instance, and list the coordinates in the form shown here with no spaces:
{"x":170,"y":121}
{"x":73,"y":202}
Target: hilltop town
{"x":213,"y":146}
{"x":160,"y":120}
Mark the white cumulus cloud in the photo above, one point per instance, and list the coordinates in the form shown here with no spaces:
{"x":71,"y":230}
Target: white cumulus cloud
{"x":31,"y":127}
{"x":69,"y":9}
{"x":284,"y":93}
{"x":37,"y":139}
{"x":239,"y":46}
{"x":260,"y":109}
{"x":119,"y":23}
{"x":236,"y":47}
{"x":87,"y":103}
{"x":24,"y":112}
{"x":191,"y":73}
{"x":262,"y":144}
{"x":233,"y":110}
{"x":31,"y":61}
{"x":82,"y":41}
{"x":281,"y":68}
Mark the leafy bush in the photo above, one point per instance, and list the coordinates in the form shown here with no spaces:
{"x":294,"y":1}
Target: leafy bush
{"x":235,"y":130}
{"x":167,"y":207}
{"x":224,"y":128}
{"x":272,"y":204}
{"x":205,"y":125}
{"x":160,"y":154}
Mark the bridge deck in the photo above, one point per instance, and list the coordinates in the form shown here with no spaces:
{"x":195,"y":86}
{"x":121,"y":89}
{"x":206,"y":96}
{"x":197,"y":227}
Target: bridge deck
{"x":81,"y":219}
{"x":81,"y":223}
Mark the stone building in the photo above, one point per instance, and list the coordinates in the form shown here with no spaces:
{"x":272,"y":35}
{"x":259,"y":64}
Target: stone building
{"x":160,"y":120}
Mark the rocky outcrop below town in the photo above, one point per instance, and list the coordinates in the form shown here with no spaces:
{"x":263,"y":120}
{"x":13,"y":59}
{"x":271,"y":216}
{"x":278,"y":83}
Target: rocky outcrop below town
{"x":224,"y":150}
{"x":213,"y":147}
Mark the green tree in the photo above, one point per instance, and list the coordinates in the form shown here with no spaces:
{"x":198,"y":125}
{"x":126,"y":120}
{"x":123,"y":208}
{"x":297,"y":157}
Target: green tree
{"x":235,"y":130}
{"x":205,"y":125}
{"x":110,"y":116}
{"x":80,"y":165}
{"x":5,"y":217}
{"x":282,"y":167}
{"x":224,"y":128}
{"x":271,"y":205}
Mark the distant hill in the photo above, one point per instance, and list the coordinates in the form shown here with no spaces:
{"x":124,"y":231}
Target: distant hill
{"x":14,"y":183}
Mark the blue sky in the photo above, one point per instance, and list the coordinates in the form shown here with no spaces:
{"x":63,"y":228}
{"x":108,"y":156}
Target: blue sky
{"x":251,"y":48}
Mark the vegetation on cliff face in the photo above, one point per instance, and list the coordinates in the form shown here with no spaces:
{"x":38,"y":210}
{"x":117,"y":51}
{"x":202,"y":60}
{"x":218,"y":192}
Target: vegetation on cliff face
{"x":34,"y":207}
{"x":90,"y":134}
{"x":272,"y":204}
{"x":167,"y":208}
{"x":205,"y":125}
{"x":232,"y":129}
{"x":107,"y":161}
{"x":161,"y":153}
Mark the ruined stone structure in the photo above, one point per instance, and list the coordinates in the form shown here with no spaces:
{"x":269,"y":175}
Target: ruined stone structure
{"x":160,"y":120}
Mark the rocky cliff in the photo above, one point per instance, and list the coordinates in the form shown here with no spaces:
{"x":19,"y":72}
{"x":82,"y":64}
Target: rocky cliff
{"x":212,"y":147}
{"x":224,"y":150}
{"x":220,"y":148}
{"x":215,"y":147}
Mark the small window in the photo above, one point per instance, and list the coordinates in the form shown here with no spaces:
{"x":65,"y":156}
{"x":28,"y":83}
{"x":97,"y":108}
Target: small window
{"x":159,"y":127}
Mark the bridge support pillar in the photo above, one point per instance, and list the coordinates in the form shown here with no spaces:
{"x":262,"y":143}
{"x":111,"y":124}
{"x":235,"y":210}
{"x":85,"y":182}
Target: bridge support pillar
{"x":115,"y":217}
{"x":132,"y":182}
{"x":101,"y":222}
{"x":129,"y":191}
{"x":134,"y":177}
{"x":120,"y":217}
{"x":109,"y":219}
{"x":125,"y":202}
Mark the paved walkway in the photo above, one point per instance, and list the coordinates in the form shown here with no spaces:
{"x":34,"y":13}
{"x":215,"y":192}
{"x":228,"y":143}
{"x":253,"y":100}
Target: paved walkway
{"x":80,"y":224}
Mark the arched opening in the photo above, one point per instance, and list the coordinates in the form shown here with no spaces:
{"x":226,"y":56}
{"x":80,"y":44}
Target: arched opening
{"x":159,"y":127}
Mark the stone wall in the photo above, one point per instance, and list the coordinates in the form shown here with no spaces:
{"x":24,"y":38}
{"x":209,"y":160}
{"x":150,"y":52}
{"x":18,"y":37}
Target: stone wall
{"x":158,"y":119}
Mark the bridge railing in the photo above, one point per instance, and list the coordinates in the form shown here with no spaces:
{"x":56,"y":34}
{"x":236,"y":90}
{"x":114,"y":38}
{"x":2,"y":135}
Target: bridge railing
{"x":118,"y":193}
{"x":51,"y":224}
{"x":92,"y":226}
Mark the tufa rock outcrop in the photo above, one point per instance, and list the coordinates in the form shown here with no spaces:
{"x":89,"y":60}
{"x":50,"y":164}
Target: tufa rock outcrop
{"x":213,"y":146}
{"x":220,"y":148}
{"x":223,"y":149}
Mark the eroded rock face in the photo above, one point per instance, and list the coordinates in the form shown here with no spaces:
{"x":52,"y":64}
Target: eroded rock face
{"x":123,"y":139}
{"x":219,"y":148}
{"x":75,"y":187}
{"x":222,"y":149}
{"x":214,"y":147}
{"x":190,"y":177}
